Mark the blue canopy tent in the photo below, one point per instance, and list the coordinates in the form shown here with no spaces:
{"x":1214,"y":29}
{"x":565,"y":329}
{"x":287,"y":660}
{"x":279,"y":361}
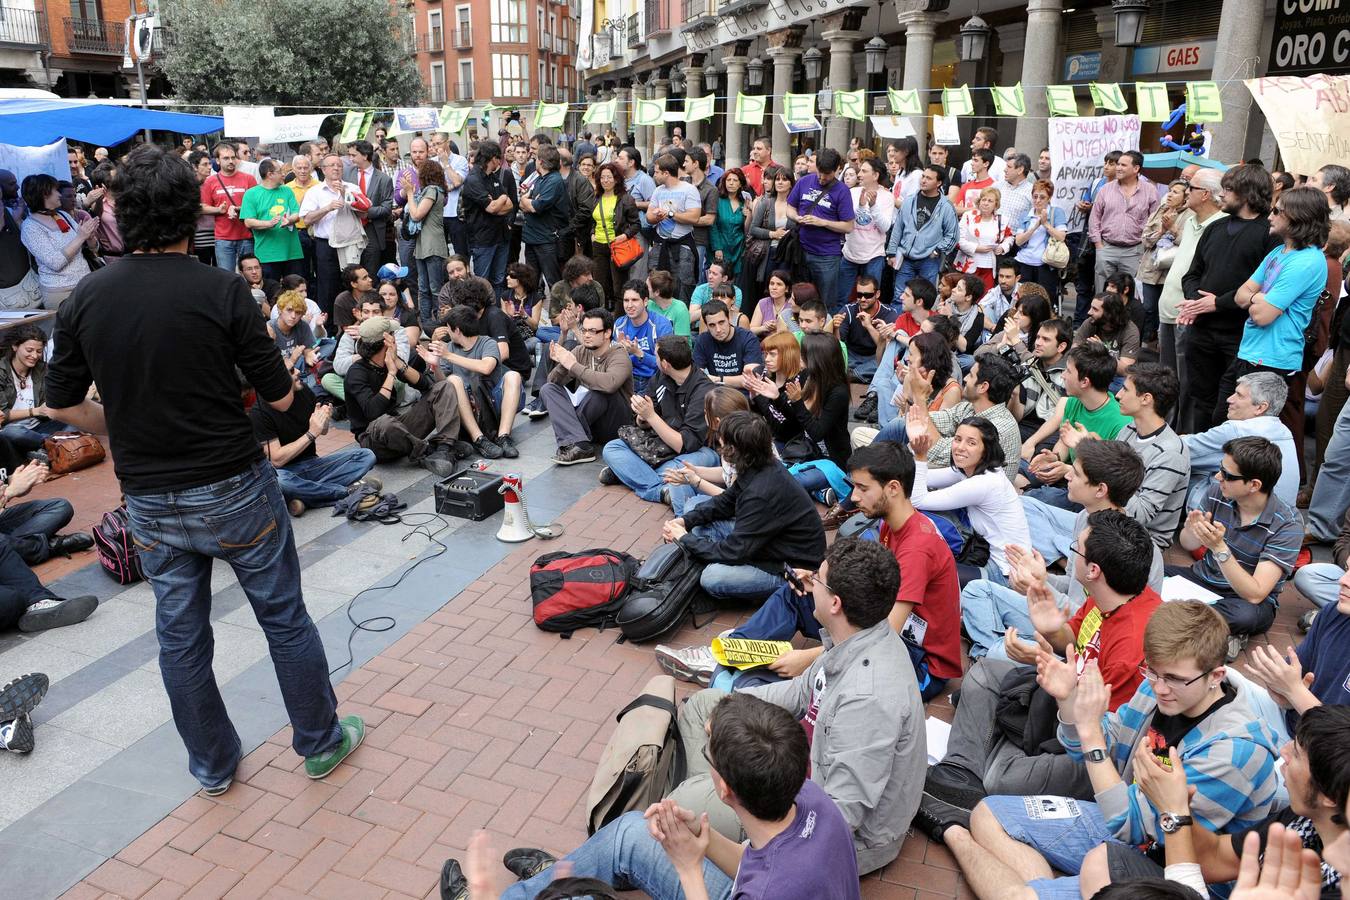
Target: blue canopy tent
{"x":36,"y":123}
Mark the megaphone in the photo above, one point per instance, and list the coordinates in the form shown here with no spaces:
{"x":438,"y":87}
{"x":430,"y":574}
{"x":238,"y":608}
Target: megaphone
{"x":516,"y":526}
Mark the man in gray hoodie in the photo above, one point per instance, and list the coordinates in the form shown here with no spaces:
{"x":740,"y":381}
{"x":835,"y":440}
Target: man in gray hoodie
{"x":859,"y":701}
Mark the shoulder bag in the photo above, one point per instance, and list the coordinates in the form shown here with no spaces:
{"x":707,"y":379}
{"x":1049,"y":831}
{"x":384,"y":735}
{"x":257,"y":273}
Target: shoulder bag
{"x":71,"y":451}
{"x":1056,"y":254}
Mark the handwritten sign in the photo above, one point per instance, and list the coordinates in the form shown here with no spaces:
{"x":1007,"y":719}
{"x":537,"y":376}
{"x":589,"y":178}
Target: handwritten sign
{"x":649,"y":112}
{"x":354,"y":125}
{"x":1107,"y":96}
{"x":452,"y":119}
{"x":699,"y":108}
{"x":1203,"y":102}
{"x":957,"y":102}
{"x":1309,"y":116}
{"x":1009,"y":101}
{"x":1077,"y":146}
{"x":749,"y":109}
{"x":1060,"y":99}
{"x":851,"y":104}
{"x":601,"y":113}
{"x":905,"y":103}
{"x":1151,"y":101}
{"x":946,"y":131}
{"x":550,"y":115}
{"x":798,"y":109}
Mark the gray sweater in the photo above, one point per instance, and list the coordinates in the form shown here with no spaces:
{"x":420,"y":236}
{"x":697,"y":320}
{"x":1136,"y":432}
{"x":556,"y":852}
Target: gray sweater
{"x":869,"y":751}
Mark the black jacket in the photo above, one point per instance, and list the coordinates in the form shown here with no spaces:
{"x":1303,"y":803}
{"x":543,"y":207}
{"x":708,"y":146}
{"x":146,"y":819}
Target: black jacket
{"x":365,"y":403}
{"x":1223,"y":263}
{"x":774,"y":522}
{"x":625,"y":218}
{"x":681,"y":406}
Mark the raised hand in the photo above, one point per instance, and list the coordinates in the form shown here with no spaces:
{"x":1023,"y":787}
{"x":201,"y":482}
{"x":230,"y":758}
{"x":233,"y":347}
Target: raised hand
{"x":1044,"y":611}
{"x":1290,"y":871}
{"x":1164,"y":786}
{"x":1059,"y":677}
{"x":1092,"y":698}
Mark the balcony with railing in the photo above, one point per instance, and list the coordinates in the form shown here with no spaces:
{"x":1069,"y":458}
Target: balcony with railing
{"x":657,"y":18}
{"x":430,"y":41}
{"x":634,"y":30}
{"x":461,"y":38}
{"x":24,"y":28}
{"x":464,"y":90}
{"x":699,"y":14}
{"x":546,"y":41}
{"x":437,"y":92}
{"x":95,"y":36}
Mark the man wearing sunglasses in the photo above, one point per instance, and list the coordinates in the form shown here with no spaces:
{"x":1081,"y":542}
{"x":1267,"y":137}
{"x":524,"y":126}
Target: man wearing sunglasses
{"x":858,"y":323}
{"x":1251,"y":539}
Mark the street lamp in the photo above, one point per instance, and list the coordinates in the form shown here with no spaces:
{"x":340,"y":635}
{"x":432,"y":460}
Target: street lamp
{"x":811,"y":62}
{"x":974,"y":39}
{"x":710,"y":77}
{"x":1129,"y":21}
{"x":875,"y":52}
{"x":755,"y":72}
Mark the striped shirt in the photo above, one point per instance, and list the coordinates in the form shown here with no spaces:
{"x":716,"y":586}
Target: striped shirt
{"x":1275,"y":535}
{"x":1159,"y":502}
{"x":1229,"y":758}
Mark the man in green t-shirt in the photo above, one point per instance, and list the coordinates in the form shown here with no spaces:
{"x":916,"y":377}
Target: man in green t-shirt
{"x":1086,"y":408}
{"x":269,"y":209}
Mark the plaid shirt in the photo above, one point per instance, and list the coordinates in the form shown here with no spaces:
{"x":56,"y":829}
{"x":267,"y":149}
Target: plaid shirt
{"x":1275,"y":535}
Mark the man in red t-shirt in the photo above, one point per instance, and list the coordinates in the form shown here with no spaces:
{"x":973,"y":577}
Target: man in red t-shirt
{"x":1112,"y":558}
{"x":222,"y":192}
{"x":761,"y":158}
{"x":927,"y":611}
{"x":966,"y":195}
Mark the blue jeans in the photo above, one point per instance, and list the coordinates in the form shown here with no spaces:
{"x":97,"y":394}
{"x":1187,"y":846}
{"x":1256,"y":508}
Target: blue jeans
{"x":1051,"y":528}
{"x":825,"y":274}
{"x":1331,"y":491}
{"x":1051,"y":495}
{"x":645,"y":481}
{"x":929,"y":267}
{"x":490,"y":263}
{"x":893,"y":431}
{"x":430,"y":277}
{"x":26,"y":439}
{"x":848,"y":277}
{"x":1319,"y":582}
{"x":1063,"y":842}
{"x":884,"y":383}
{"x":988,"y":609}
{"x":323,"y":480}
{"x":229,"y":252}
{"x":32,"y":524}
{"x":865,"y":367}
{"x":681,"y":505}
{"x":243,"y":521}
{"x":745,"y":582}
{"x":625,"y":855}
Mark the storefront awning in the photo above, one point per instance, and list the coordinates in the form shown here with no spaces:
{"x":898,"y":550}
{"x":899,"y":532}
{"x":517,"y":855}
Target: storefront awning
{"x":34,"y":123}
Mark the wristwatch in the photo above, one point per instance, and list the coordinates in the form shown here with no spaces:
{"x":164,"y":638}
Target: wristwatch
{"x":1095,"y":756}
{"x":1172,"y":822}
{"x":1222,"y":556}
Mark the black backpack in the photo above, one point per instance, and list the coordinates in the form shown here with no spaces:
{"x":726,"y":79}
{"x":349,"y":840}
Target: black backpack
{"x":664,"y":592}
{"x":1026,"y":714}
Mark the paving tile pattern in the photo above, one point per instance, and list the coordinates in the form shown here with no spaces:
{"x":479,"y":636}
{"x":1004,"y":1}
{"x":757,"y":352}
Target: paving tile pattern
{"x":476,"y":719}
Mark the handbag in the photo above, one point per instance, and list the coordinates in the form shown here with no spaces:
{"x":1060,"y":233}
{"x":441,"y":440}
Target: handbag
{"x":647,"y":444}
{"x":71,"y":451}
{"x":1056,"y":254}
{"x":623,"y":250}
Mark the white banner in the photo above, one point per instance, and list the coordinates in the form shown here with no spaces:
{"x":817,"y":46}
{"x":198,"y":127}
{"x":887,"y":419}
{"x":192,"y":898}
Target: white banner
{"x":289,"y":129}
{"x":246,"y":121}
{"x":1310,"y":118}
{"x":1077,"y":145}
{"x":25,"y":161}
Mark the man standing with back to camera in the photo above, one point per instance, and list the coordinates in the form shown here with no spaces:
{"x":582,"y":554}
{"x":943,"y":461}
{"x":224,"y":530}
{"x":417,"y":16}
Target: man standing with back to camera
{"x":196,"y":484}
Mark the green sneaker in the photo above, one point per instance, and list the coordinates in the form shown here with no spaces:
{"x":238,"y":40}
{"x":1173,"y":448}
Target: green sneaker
{"x":353,"y":732}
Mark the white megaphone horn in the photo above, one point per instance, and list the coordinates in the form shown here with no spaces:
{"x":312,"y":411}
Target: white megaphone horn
{"x":516,"y":526}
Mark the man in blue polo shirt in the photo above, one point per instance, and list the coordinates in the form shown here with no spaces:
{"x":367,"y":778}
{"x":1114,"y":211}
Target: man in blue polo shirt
{"x":822,"y":207}
{"x":637,"y":330}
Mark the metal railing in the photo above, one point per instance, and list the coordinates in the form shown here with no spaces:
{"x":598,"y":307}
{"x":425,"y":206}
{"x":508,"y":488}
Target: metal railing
{"x":431,"y":42}
{"x":464,"y":90}
{"x":635,"y":36}
{"x":546,"y":41}
{"x":437,"y":93}
{"x":21,"y":27}
{"x":460,"y":38}
{"x":95,"y":36}
{"x":698,"y":9}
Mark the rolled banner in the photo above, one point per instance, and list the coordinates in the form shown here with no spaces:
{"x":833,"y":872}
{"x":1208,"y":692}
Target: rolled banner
{"x":745,"y":653}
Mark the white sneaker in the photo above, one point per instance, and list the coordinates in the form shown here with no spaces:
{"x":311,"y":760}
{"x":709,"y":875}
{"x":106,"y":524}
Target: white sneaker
{"x":694,"y":664}
{"x":17,"y":736}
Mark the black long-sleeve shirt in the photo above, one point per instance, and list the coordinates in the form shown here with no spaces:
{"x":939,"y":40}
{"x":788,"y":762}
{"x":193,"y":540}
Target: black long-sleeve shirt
{"x":774,"y":522}
{"x":1225,"y":258}
{"x":828,"y":429}
{"x":365,"y":403}
{"x":681,"y":406}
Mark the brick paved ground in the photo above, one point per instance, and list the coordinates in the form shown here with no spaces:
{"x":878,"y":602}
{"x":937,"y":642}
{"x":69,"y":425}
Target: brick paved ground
{"x":476,"y":719}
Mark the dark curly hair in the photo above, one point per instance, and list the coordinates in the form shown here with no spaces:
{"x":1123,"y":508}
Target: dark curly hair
{"x":613,"y":169}
{"x":157,"y":198}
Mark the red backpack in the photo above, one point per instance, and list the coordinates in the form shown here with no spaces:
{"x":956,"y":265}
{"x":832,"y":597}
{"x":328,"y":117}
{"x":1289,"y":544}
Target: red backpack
{"x":116,"y":549}
{"x":579,"y":590}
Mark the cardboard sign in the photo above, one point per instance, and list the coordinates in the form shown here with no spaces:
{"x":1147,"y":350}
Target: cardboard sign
{"x":550,"y":115}
{"x":1009,"y":101}
{"x":1309,"y":116}
{"x":602,"y":113}
{"x":749,"y":109}
{"x":798,"y":109}
{"x":452,"y":119}
{"x":649,"y":112}
{"x":946,"y":131}
{"x":1077,"y":146}
{"x":889,"y":127}
{"x":1152,"y":102}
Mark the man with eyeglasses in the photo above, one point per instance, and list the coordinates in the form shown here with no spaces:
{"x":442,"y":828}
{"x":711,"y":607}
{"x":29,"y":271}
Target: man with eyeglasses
{"x":1186,"y":712}
{"x":1251,"y":539}
{"x":222,"y":193}
{"x":589,"y":392}
{"x":1111,"y":567}
{"x":858,"y":323}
